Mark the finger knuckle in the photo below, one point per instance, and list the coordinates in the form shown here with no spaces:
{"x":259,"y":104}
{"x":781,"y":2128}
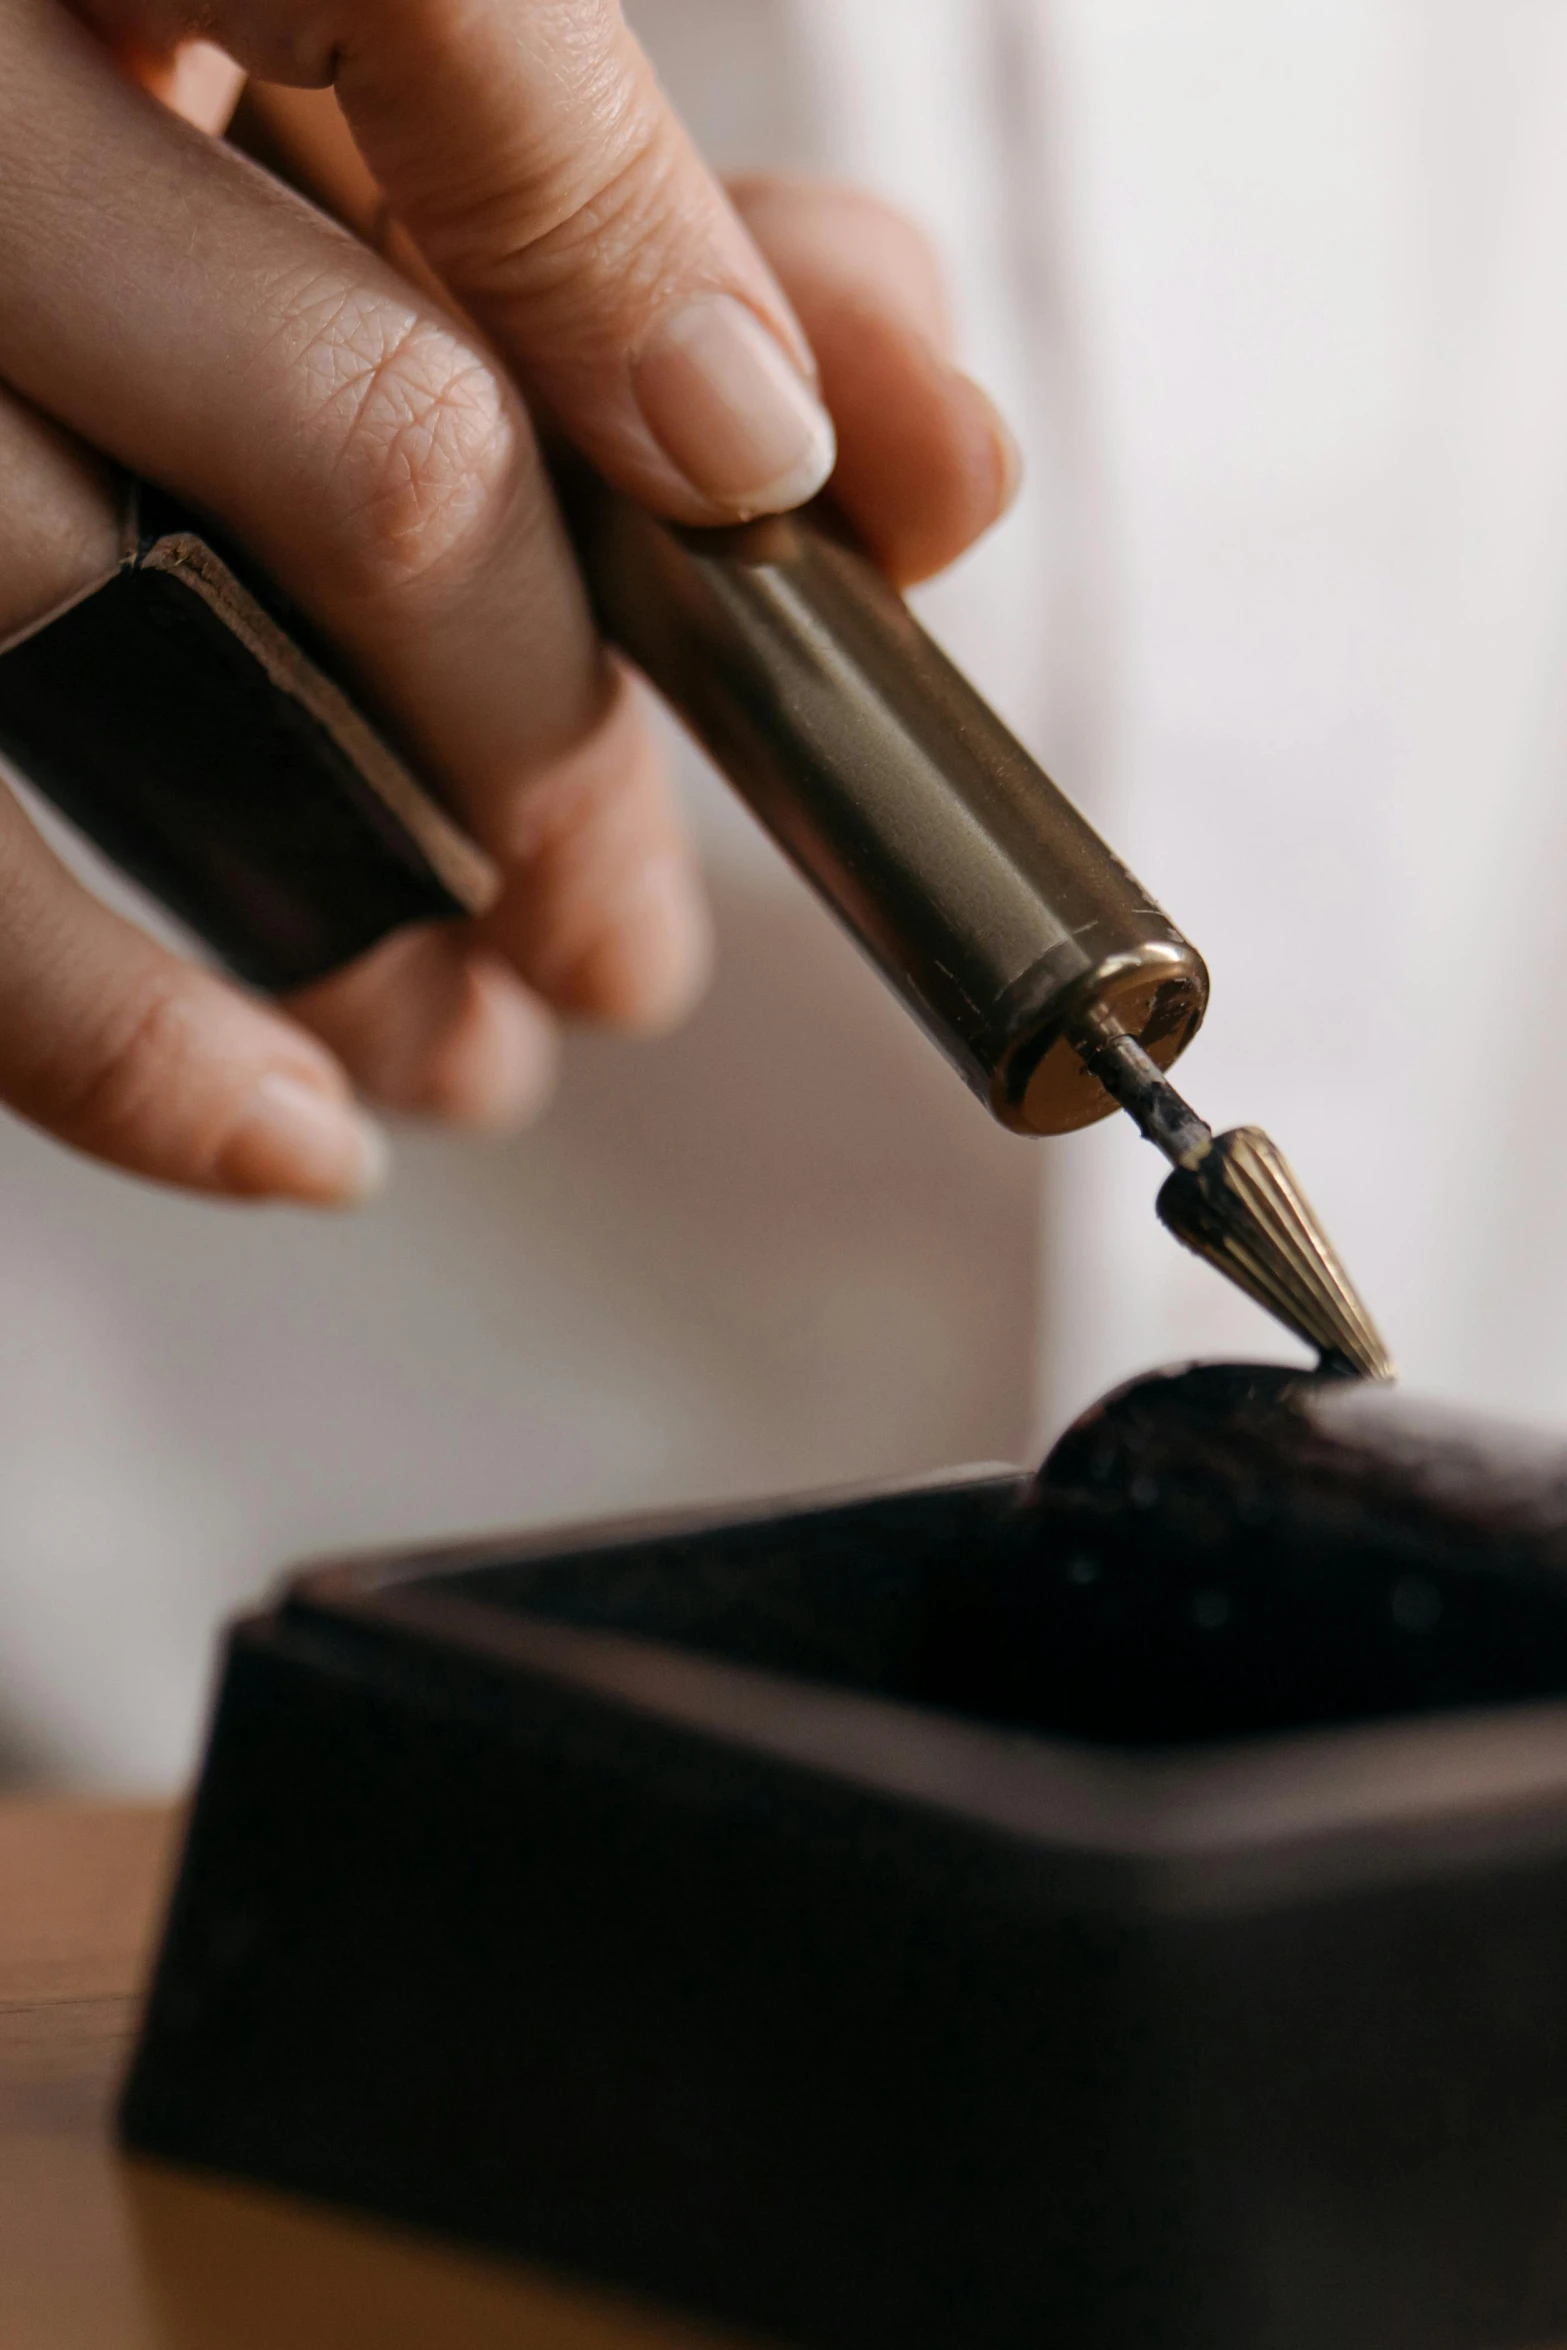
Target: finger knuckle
{"x":415,"y":432}
{"x":130,"y":1080}
{"x":610,"y":194}
{"x":557,"y":814}
{"x":606,"y":206}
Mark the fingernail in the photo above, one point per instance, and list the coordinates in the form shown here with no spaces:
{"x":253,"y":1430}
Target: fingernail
{"x":296,"y":1142}
{"x":728,"y":406}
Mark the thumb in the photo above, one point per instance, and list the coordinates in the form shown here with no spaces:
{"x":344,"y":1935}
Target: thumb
{"x":527,"y":150}
{"x":549,"y":183}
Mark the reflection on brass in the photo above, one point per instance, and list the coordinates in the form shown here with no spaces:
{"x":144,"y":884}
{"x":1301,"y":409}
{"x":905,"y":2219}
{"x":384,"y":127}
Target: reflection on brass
{"x":1146,"y":994}
{"x":1233,"y":1201}
{"x":1024,"y":947}
{"x":980,"y":893}
{"x":1241,"y":1208}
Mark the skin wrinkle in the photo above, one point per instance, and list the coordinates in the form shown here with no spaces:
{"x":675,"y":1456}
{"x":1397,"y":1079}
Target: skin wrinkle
{"x":630,"y":224}
{"x":546,"y":178}
{"x":421,"y":437}
{"x":24,"y":922}
{"x":645,"y":218}
{"x":57,"y":168}
{"x":229,"y":186}
{"x":129,"y":1079}
{"x":541,"y":611}
{"x":469,"y":233}
{"x":563,"y":813}
{"x":54,"y":179}
{"x":527,"y":227}
{"x":62,"y":515}
{"x":36,"y":895}
{"x":589,"y":844}
{"x":147,"y":1043}
{"x":55,"y":176}
{"x":478,"y":486}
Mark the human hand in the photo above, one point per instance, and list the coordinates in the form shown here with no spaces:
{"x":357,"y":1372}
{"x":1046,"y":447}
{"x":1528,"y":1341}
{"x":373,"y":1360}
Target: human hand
{"x":176,"y":308}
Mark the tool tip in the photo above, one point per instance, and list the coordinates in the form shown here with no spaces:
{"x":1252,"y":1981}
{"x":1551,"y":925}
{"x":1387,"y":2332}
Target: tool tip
{"x":1241,"y":1209}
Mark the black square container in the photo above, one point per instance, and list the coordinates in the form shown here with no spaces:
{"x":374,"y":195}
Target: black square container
{"x":624,"y":1902}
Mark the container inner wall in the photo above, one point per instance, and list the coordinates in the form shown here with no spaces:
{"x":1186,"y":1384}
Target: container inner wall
{"x":1008,"y":1604}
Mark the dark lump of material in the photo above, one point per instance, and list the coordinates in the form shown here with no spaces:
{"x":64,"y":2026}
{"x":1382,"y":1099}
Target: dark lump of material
{"x":1231,"y":1550}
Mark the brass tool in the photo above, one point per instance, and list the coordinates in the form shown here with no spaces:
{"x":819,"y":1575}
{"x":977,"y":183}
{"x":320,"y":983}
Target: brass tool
{"x":1233,"y":1200}
{"x":1026,"y":950}
{"x":1021,"y":944}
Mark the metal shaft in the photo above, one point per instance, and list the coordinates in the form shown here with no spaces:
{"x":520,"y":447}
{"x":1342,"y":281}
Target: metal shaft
{"x":983,"y":896}
{"x":1140,"y":1087}
{"x":1023,"y":946}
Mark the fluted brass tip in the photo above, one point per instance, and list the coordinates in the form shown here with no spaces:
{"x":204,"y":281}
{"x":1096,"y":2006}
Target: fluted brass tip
{"x":1241,"y":1208}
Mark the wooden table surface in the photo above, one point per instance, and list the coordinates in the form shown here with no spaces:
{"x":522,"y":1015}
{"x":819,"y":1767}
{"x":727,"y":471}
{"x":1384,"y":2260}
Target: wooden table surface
{"x":100,"y":2252}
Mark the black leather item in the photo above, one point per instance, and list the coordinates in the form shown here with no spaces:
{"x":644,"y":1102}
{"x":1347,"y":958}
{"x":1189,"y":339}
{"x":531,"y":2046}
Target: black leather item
{"x":177,"y":716}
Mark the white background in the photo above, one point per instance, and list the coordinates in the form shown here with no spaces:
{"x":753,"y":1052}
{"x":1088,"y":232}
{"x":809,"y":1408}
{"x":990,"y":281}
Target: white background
{"x":1277,"y":294}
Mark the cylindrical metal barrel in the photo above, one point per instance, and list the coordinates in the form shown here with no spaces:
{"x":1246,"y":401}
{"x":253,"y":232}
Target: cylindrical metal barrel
{"x":994,"y":910}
